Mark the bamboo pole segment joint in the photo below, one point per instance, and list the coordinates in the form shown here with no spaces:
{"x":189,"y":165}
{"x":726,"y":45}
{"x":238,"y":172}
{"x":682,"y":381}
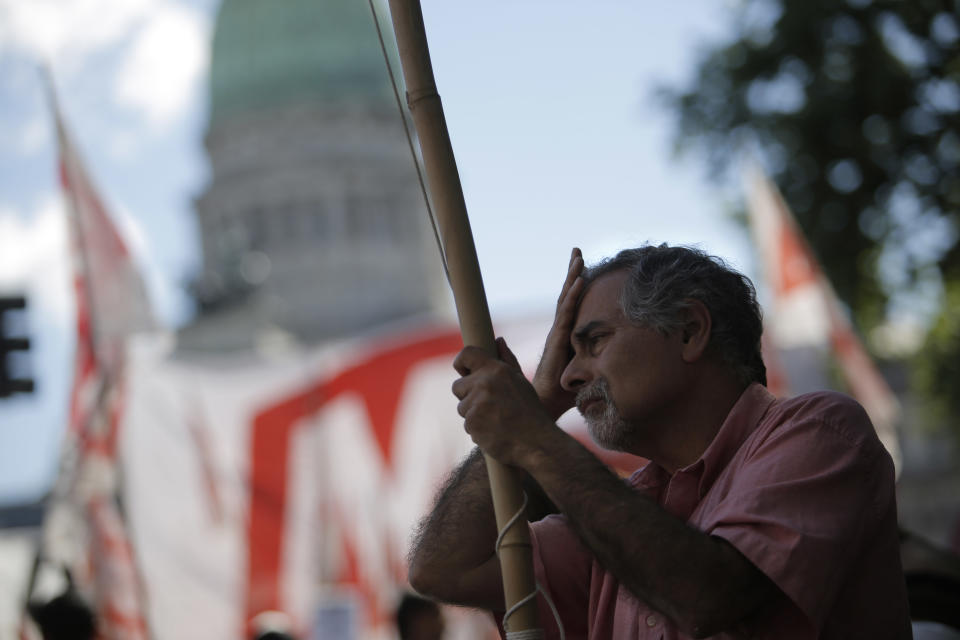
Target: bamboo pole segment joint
{"x":413,"y":97}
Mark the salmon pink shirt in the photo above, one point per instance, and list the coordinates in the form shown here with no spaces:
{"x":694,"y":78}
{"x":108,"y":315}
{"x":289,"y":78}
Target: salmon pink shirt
{"x":801,"y":487}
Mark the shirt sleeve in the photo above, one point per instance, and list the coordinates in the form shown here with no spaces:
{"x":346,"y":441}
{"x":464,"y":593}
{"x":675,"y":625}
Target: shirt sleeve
{"x":802,"y":501}
{"x":562,"y":568}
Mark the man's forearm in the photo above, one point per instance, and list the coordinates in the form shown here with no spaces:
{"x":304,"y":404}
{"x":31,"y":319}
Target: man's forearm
{"x":452,"y":555}
{"x":703,"y":584}
{"x":459,"y":532}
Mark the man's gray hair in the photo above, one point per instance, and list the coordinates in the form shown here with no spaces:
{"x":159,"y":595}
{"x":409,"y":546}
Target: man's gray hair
{"x":662,"y":281}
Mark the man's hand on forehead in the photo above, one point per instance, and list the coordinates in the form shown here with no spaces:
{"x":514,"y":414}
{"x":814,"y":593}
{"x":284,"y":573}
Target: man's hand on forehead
{"x":557,"y":350}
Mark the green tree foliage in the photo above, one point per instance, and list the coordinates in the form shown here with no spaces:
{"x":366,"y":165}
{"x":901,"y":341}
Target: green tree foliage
{"x":853,"y":107}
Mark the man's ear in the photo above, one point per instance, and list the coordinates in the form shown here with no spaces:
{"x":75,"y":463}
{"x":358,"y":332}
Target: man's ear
{"x":695,"y":332}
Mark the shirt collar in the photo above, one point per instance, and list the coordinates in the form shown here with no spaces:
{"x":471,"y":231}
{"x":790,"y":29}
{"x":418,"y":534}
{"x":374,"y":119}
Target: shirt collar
{"x":742,"y":420}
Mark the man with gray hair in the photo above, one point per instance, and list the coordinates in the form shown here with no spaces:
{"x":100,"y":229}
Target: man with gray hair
{"x":755,"y":517}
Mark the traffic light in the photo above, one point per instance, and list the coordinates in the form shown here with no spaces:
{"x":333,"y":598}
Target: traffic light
{"x":10,"y":380}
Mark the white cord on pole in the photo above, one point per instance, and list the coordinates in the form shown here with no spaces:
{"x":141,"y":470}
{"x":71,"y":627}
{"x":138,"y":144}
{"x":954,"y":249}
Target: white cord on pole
{"x":527,"y":634}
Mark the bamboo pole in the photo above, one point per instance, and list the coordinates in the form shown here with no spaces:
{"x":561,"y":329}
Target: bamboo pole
{"x":516,"y":560}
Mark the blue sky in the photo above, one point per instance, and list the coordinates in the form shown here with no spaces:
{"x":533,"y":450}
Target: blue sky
{"x":549,"y":107}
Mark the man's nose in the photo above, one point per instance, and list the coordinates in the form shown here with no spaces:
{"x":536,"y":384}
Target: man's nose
{"x":574,"y":375}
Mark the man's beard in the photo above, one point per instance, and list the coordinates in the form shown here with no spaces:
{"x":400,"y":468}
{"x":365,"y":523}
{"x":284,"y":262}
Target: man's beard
{"x":606,"y":426}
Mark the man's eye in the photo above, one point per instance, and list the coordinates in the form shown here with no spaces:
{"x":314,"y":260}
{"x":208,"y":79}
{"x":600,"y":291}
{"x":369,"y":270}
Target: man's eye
{"x":594,"y":339}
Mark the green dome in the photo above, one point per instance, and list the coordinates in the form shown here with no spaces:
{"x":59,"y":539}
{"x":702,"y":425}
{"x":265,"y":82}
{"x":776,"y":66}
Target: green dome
{"x":270,"y":53}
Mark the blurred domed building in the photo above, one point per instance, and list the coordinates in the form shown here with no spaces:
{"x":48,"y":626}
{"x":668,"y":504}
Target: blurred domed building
{"x":313,"y":226}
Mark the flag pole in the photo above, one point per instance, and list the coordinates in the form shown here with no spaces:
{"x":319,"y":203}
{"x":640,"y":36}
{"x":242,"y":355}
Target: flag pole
{"x":516,"y":558}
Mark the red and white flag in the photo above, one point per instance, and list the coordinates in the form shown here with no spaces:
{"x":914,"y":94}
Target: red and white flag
{"x":806,"y":310}
{"x":84,"y":530}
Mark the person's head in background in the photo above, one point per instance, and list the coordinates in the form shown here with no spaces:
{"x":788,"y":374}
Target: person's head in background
{"x":66,"y":617}
{"x":419,"y":619}
{"x":272,"y":625}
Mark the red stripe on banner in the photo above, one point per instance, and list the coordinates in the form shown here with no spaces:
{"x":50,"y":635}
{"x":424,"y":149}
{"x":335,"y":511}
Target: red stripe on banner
{"x":118,"y":397}
{"x":379,"y":380}
{"x":64,"y":174}
{"x":119,"y":598}
{"x":797,"y":267}
{"x":118,"y":620}
{"x":106,"y":240}
{"x":106,"y":284}
{"x":108,"y":537}
{"x":85,"y":365}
